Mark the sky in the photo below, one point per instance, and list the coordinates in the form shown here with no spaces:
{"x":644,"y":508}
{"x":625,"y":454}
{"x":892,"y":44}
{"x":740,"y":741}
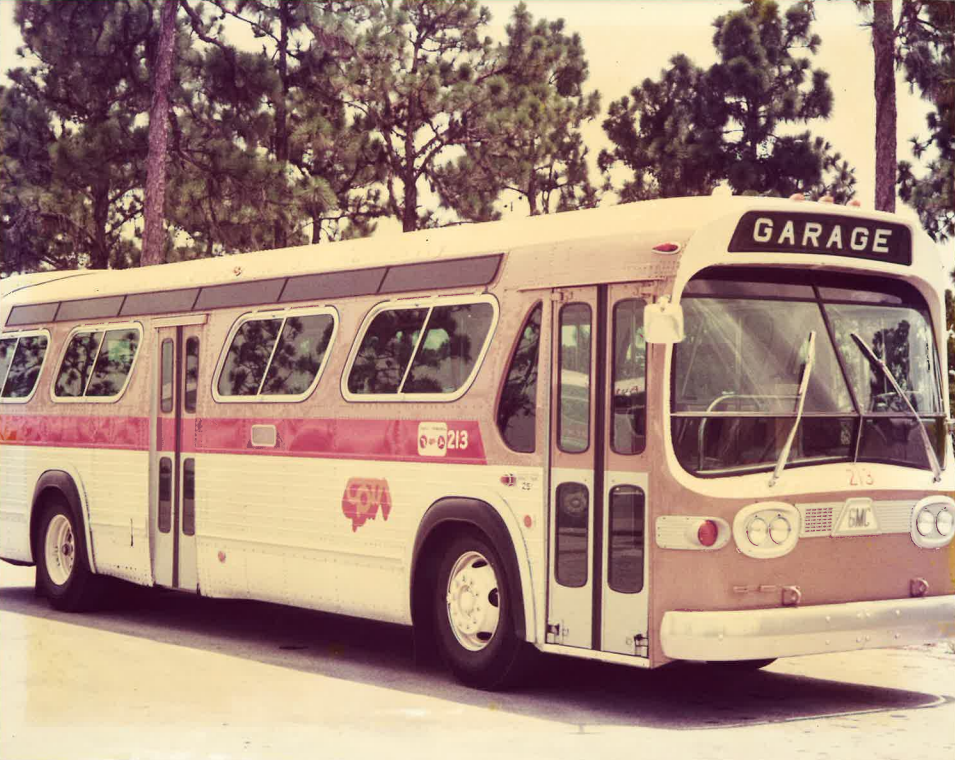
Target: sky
{"x":627,"y":41}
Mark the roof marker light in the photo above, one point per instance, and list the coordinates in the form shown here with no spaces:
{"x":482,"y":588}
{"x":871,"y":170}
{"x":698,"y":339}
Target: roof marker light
{"x":668,"y":248}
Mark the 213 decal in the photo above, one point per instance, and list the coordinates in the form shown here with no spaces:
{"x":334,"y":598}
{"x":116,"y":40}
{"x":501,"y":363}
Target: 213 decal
{"x":362,"y":499}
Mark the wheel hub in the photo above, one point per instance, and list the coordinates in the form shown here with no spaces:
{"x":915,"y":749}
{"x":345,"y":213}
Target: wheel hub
{"x":472,"y":599}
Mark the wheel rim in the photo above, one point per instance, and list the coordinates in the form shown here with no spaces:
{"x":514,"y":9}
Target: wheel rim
{"x":473,"y":598}
{"x":60,"y":549}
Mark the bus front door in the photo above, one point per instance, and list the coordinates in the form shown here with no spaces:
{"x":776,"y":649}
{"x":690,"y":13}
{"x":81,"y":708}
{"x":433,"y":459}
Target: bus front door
{"x":597,"y":591}
{"x":173,"y":503}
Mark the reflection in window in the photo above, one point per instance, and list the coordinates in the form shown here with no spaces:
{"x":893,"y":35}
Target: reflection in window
{"x":248,"y":357}
{"x":24,"y":369}
{"x":573,"y":400}
{"x":572,"y":534}
{"x":450,"y":347}
{"x":116,"y":354}
{"x":97,"y":364}
{"x":516,"y":414}
{"x":625,"y":552}
{"x":392,"y":359}
{"x":192,"y":374}
{"x":7,"y":347}
{"x":164,"y":518}
{"x":165,"y":376}
{"x":77,"y":364}
{"x":299,"y":354}
{"x":385,"y":351}
{"x":189,"y":497}
{"x":629,"y":378}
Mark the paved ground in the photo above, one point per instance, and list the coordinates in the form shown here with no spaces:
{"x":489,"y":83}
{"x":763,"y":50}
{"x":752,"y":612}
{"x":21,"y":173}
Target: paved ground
{"x":168,"y":676}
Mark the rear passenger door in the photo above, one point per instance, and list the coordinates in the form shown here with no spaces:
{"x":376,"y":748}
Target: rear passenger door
{"x":599,"y":471}
{"x":172,"y":518}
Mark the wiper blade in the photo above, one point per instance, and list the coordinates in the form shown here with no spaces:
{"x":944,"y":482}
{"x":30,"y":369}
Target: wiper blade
{"x":800,"y":403}
{"x":929,"y":449}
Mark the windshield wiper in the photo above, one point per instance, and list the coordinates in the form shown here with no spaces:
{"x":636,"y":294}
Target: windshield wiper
{"x":929,"y":449}
{"x":800,"y":403}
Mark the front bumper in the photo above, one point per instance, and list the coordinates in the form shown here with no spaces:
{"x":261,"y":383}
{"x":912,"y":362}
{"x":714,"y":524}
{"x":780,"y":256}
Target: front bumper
{"x":789,"y":631}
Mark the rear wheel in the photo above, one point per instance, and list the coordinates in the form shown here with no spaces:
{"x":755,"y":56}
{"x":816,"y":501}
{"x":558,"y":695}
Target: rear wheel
{"x":63,"y":572}
{"x":474,"y":616}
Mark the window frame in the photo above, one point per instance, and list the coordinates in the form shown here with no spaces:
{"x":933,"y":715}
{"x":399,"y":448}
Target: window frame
{"x":105,"y":327}
{"x":429,"y":303}
{"x":283,"y":314}
{"x":17,"y":334}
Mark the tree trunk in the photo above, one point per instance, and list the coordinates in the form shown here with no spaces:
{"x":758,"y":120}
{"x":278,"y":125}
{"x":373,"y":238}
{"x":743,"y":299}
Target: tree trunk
{"x":281,"y":122}
{"x":883,"y":43}
{"x":153,"y":252}
{"x":99,"y":255}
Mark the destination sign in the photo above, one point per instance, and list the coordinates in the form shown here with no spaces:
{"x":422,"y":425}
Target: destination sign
{"x":800,"y":232}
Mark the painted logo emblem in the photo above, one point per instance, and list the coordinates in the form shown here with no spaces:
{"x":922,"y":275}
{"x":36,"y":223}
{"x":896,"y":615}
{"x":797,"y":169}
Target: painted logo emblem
{"x":432,"y":439}
{"x":363,"y":498}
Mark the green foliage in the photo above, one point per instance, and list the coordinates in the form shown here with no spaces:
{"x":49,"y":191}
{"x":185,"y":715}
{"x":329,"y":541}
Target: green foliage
{"x":693,"y":128}
{"x":528,"y":141}
{"x":926,"y":51}
{"x":80,"y":100}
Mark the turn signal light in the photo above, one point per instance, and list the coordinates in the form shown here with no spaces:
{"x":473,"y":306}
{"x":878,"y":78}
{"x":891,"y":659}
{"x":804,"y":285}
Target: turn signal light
{"x":707,"y":533}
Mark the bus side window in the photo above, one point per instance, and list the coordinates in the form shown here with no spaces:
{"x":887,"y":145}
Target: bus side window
{"x":629,"y":378}
{"x":517,"y":409}
{"x":573,"y":396}
{"x":25,"y":367}
{"x":192,"y":374}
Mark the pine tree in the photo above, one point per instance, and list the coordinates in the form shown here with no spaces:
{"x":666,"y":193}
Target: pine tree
{"x":91,"y":81}
{"x":417,"y":76}
{"x":529,"y":137}
{"x":693,"y":128}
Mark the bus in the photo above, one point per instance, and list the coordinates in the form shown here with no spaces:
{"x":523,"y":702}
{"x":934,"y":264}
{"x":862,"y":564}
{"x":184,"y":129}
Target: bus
{"x":711,"y":429}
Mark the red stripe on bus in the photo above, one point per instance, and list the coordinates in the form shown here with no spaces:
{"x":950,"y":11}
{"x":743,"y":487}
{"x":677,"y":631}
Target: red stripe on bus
{"x":79,"y":431}
{"x":452,"y":442}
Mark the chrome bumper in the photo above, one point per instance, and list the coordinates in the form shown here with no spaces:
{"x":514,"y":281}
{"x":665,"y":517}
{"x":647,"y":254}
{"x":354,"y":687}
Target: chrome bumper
{"x":788,"y":631}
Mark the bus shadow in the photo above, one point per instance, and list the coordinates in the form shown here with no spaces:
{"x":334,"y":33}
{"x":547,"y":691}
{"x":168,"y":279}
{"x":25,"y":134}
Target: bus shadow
{"x":573,"y":692}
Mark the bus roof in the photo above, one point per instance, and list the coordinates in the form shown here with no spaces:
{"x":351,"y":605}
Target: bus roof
{"x":626,"y":228}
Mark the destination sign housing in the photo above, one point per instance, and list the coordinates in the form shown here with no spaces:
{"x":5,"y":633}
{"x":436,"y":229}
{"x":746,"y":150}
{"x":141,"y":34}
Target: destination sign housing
{"x":835,"y":235}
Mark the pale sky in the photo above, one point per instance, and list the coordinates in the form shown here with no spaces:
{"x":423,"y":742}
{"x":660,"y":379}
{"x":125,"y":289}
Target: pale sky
{"x":627,"y":41}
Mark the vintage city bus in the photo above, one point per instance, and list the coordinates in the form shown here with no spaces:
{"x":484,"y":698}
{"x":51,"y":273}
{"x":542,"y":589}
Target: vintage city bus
{"x":707,"y":429}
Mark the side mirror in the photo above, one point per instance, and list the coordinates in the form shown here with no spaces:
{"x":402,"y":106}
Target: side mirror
{"x":663,"y":322}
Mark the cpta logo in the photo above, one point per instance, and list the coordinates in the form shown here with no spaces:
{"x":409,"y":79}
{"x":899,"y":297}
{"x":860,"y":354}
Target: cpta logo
{"x":363,"y":498}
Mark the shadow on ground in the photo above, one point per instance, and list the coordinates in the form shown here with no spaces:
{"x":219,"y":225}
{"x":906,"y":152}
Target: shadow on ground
{"x":572,"y":692}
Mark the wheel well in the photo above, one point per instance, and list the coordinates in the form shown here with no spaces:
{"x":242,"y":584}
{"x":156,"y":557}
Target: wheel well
{"x":445,"y":520}
{"x":45,"y":498}
{"x":53,"y":486}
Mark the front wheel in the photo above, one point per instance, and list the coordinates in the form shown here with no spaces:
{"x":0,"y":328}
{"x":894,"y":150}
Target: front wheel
{"x":474,"y":615}
{"x":63,"y":573}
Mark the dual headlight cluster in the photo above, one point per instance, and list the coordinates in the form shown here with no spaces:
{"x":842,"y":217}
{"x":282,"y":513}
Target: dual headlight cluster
{"x":933,"y":522}
{"x":767,"y":529}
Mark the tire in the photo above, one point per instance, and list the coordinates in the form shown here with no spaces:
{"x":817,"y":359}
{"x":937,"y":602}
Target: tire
{"x":474,"y":616}
{"x":62,"y":568}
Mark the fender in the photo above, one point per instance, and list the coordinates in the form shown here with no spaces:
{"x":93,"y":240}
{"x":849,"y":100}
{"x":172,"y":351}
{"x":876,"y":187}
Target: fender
{"x":490,"y":521}
{"x":66,"y":484}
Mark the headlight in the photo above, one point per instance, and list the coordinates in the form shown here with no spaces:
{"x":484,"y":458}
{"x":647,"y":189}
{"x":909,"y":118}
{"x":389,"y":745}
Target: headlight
{"x":943,"y":522}
{"x":925,"y":522}
{"x":756,"y":531}
{"x":779,"y":530}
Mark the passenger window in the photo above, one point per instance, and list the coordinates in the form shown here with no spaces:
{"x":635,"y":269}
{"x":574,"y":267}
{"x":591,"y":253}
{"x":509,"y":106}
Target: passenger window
{"x":421,"y":350}
{"x":629,"y":378}
{"x":517,"y":410}
{"x":166,"y":379}
{"x":299,"y":354}
{"x":625,"y":553}
{"x":450,"y":348}
{"x":97,"y":364}
{"x":274,"y":358}
{"x":385,"y":351}
{"x":7,"y":347}
{"x":573,"y":401}
{"x":23,"y":365}
{"x":248,"y":357}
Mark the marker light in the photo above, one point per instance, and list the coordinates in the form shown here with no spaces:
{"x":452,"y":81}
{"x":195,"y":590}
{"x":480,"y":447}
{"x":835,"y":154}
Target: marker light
{"x":756,"y":531}
{"x":779,"y":530}
{"x":925,"y":522}
{"x":943,"y":522}
{"x":708,"y":533}
{"x":667,"y":248}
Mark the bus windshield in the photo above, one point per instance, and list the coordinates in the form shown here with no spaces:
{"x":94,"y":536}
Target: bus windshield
{"x":736,"y":375}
